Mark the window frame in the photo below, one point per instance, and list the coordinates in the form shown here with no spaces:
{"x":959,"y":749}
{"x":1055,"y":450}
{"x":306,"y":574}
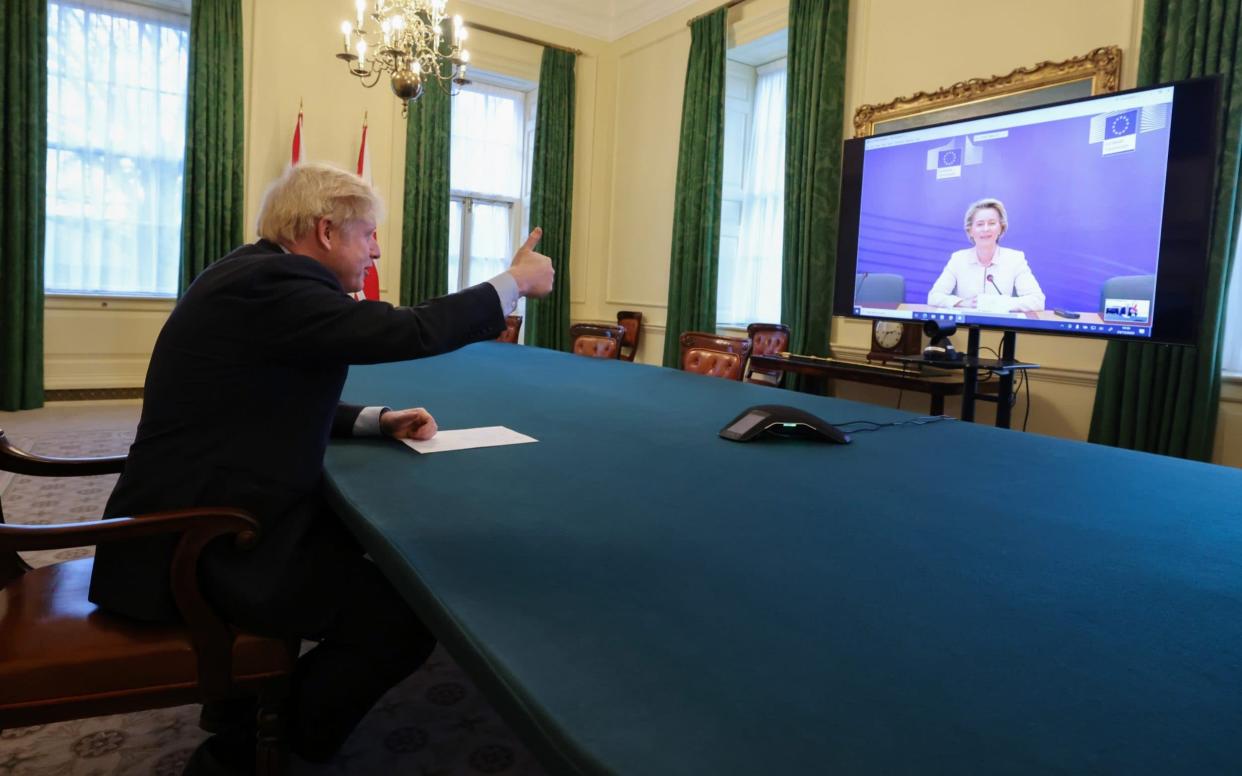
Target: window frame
{"x":1231,"y":335}
{"x":467,"y":201}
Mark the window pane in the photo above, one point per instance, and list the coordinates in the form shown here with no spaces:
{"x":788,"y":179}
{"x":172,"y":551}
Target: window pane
{"x":750,"y":281}
{"x":487,"y":141}
{"x":116,"y":135}
{"x":490,"y":238}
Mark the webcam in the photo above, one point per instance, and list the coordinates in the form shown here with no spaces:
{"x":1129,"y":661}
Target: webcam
{"x":940,"y":348}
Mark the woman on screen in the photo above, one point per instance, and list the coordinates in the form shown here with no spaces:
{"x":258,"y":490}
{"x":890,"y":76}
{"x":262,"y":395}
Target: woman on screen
{"x":987,"y":277}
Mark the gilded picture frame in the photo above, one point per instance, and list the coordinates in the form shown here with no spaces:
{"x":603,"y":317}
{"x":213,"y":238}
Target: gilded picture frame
{"x":1096,"y":72}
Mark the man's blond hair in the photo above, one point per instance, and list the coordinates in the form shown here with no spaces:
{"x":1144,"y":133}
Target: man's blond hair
{"x":309,"y":191}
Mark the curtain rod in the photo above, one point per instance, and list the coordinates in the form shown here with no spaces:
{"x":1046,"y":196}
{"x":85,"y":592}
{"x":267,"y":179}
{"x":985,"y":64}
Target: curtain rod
{"x":523,"y":38}
{"x":729,"y":4}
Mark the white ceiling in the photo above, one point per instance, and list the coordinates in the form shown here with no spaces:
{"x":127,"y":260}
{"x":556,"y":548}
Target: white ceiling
{"x":602,"y":19}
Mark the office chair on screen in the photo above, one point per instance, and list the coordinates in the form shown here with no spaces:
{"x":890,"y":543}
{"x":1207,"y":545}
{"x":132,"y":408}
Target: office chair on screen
{"x":717,"y":356}
{"x":63,"y":658}
{"x":879,"y":288}
{"x":1128,"y":287}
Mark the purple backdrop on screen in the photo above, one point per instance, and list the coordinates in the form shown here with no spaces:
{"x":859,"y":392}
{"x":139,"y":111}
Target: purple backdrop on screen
{"x":1079,"y":216}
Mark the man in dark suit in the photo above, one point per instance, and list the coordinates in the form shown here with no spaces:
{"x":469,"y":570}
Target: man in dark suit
{"x":242,"y":393}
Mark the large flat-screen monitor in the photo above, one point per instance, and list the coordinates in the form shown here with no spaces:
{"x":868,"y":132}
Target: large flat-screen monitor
{"x":1087,"y":218}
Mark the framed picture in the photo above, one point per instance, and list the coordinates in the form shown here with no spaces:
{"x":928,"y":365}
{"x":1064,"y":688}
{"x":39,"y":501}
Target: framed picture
{"x":1097,"y":72}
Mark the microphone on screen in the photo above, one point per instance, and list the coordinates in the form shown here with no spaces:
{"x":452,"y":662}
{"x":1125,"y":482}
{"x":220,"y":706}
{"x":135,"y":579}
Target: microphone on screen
{"x":858,"y":286}
{"x":993,"y":282}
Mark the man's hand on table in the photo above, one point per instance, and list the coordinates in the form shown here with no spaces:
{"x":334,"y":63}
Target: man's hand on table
{"x":415,"y":423}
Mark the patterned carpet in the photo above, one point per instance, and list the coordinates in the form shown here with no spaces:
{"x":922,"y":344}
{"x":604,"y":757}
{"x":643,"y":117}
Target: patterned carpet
{"x":434,"y":724}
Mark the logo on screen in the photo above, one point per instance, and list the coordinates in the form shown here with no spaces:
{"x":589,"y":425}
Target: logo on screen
{"x":949,"y":163}
{"x":1118,"y":132}
{"x":1123,"y":124}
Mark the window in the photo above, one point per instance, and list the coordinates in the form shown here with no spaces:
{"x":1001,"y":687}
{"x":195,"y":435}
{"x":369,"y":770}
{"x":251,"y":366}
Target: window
{"x":752,"y":216}
{"x":115,"y":145}
{"x":486,"y":181}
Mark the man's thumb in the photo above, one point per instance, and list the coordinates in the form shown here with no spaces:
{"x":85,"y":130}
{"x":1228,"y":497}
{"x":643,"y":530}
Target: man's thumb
{"x":535,"y":236}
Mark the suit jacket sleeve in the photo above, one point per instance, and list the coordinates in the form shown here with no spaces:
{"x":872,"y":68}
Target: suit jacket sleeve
{"x":310,"y":320}
{"x":343,"y":420}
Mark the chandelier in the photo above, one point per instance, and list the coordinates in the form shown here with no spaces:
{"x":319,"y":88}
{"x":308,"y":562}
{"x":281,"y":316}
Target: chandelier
{"x":411,"y":40}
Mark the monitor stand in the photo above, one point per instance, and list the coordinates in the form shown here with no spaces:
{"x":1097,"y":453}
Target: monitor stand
{"x":1004,"y":368}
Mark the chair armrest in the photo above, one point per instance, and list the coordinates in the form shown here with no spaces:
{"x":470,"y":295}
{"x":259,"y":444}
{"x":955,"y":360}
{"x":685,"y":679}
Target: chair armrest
{"x":212,"y":638}
{"x":19,"y":461}
{"x":28,"y":538}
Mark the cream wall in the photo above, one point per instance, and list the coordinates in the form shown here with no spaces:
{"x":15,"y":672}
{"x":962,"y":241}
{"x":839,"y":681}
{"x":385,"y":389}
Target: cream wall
{"x":627,"y":124}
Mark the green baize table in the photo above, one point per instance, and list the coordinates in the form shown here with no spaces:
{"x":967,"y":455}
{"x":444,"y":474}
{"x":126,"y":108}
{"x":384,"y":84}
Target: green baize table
{"x":638,"y":596}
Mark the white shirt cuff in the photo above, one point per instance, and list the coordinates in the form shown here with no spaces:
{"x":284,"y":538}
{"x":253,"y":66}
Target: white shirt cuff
{"x":368,"y":421}
{"x":507,"y":289}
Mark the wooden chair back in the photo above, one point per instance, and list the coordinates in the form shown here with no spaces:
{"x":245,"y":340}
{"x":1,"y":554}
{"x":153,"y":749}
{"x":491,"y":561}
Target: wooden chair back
{"x":766,"y":339}
{"x":632,"y":322}
{"x":711,"y":354}
{"x":513,"y":325}
{"x":600,"y":340}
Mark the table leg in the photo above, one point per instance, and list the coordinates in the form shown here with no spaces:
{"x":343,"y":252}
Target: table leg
{"x":937,"y":404}
{"x":1003,"y":395}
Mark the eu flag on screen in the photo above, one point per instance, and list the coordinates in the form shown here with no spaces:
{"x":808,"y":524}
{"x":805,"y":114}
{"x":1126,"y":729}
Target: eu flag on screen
{"x":949,"y":158}
{"x":1122,"y":124}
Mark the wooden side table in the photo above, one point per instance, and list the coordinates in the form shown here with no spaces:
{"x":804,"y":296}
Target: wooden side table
{"x":823,"y":369}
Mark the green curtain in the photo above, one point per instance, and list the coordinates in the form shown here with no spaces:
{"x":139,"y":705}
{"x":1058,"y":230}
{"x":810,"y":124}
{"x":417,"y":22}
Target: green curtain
{"x":23,"y":131}
{"x":552,"y":195}
{"x":425,"y":211}
{"x":212,"y":198}
{"x":694,"y":261}
{"x":1164,"y":398}
{"x":814,"y":116}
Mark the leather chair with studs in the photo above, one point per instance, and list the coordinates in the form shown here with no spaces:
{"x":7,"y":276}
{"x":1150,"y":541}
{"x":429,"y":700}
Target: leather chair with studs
{"x":711,"y":354}
{"x":766,"y":339}
{"x":600,"y":340}
{"x":633,"y":323}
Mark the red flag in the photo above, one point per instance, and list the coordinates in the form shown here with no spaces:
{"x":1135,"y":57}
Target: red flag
{"x":370,"y":284}
{"x":364,"y":157}
{"x":297,"y":139}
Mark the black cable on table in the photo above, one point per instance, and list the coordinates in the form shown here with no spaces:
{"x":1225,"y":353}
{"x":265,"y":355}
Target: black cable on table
{"x":875,"y":426}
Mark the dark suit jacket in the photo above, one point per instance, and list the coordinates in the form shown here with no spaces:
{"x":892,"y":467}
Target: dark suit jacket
{"x":241,"y":395}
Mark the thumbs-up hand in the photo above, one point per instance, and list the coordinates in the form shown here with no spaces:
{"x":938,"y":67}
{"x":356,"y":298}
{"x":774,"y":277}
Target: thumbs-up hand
{"x":532,"y":271}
